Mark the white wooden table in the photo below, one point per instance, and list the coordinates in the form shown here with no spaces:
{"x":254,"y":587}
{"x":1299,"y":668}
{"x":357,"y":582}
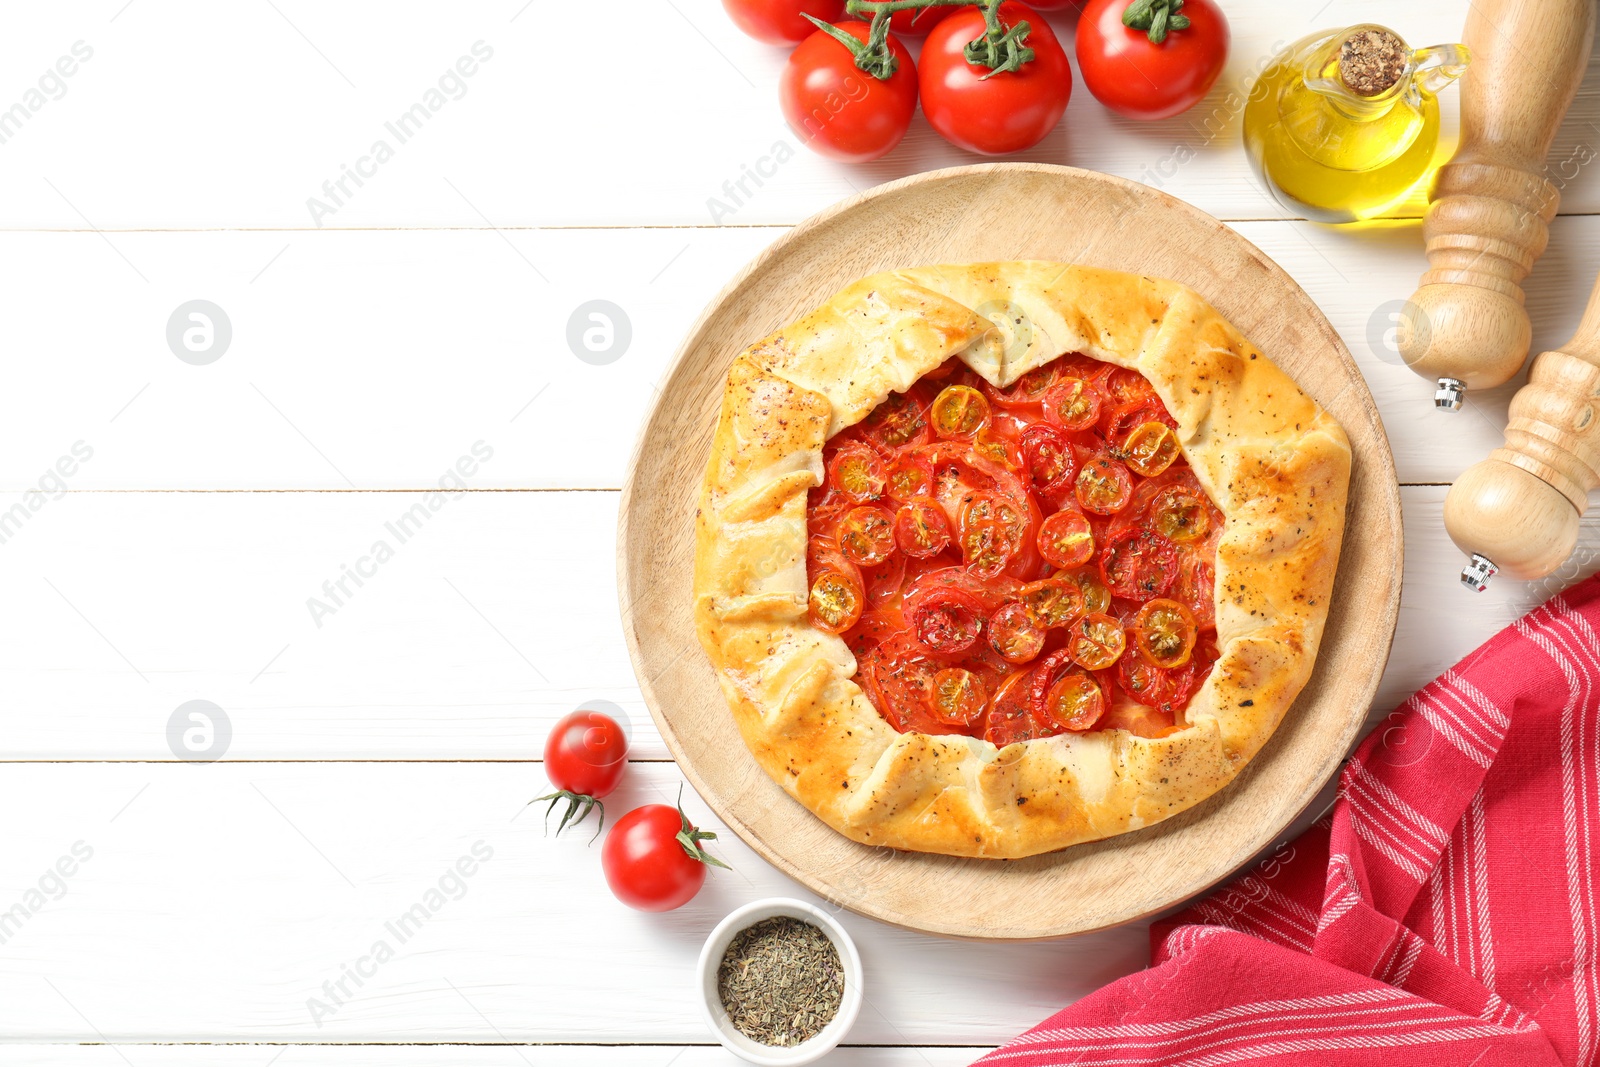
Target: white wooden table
{"x":375,"y":342}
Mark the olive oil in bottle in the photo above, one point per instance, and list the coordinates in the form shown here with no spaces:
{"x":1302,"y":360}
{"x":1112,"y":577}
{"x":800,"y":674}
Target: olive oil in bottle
{"x":1344,"y":123}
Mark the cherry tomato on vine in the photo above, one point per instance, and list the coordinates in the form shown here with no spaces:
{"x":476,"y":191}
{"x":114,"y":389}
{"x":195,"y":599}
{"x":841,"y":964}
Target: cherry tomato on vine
{"x":653,"y":860}
{"x":781,"y":22}
{"x":584,"y":758}
{"x":980,"y":109}
{"x":838,"y":109}
{"x":1143,"y":79}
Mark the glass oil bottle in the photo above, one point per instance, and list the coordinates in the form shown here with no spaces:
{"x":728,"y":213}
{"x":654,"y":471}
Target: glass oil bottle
{"x":1343,"y":124}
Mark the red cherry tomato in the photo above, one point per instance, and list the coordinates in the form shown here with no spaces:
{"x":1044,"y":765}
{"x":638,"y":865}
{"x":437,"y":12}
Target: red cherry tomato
{"x":1007,"y":112}
{"x":921,"y":530}
{"x":866,"y":535}
{"x":839,"y":110}
{"x":647,"y":866}
{"x":1179,"y":514}
{"x":1052,"y":602}
{"x":1014,"y":635}
{"x":897,"y":422}
{"x":1066,"y":540}
{"x":1048,"y":457}
{"x":1103,"y":486}
{"x":959,"y":411}
{"x":781,"y":22}
{"x":836,"y":601}
{"x":1097,"y":642}
{"x":1196,"y":587}
{"x":1141,"y":80}
{"x":857,"y":473}
{"x":1063,"y":697}
{"x":1164,"y":633}
{"x":1138,"y":564}
{"x":1073,"y":403}
{"x":1155,"y":687}
{"x":1150,"y":448}
{"x":944,"y":620}
{"x":584,"y":758}
{"x":957,"y":697}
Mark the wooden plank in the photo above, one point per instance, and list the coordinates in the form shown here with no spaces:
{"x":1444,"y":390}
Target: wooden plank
{"x":251,"y":885}
{"x":261,"y":128}
{"x":378,"y":359}
{"x":206,"y":595}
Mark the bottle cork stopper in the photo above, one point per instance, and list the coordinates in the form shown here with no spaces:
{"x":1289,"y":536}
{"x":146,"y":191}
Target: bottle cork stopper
{"x":1371,"y":61}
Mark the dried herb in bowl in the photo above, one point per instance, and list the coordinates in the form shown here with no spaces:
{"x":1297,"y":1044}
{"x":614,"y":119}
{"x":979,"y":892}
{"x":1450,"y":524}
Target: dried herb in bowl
{"x":781,"y":981}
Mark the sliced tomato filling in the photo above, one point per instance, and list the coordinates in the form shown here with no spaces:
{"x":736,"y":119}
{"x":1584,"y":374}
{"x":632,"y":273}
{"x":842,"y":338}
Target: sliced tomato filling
{"x":1017,"y":563}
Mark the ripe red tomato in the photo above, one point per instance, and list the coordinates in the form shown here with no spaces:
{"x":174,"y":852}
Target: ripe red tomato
{"x":584,"y":758}
{"x":1007,"y":112}
{"x":653,"y":860}
{"x":779,"y":22}
{"x":1133,"y":77}
{"x":839,"y":110}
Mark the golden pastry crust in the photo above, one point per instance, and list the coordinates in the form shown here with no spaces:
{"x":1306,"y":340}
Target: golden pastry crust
{"x":1274,"y":463}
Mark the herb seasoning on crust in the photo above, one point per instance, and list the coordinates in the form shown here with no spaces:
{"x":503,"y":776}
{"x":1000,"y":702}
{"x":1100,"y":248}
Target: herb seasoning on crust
{"x":781,"y":981}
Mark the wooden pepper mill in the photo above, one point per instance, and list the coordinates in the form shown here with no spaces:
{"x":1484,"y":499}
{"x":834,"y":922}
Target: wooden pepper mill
{"x":1491,"y":204}
{"x":1518,"y":510}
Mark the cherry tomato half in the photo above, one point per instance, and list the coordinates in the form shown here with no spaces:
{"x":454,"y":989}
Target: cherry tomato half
{"x":1164,"y":633}
{"x":1063,"y":697}
{"x":1138,"y":564}
{"x":908,"y":477}
{"x":980,"y":110}
{"x":1196,"y":587}
{"x":1134,"y":77}
{"x":1073,"y":403}
{"x":1066,"y":540}
{"x":1027,"y":391}
{"x":944,"y":620}
{"x":896,"y":422}
{"x":958,"y":697}
{"x":1150,"y":448}
{"x":921,"y":529}
{"x":1097,"y":642}
{"x":1048,"y":457}
{"x":959,"y":411}
{"x":1014,"y":635}
{"x":1103,"y":486}
{"x":839,"y":110}
{"x":836,"y":601}
{"x":866,"y":535}
{"x":1180,"y":514}
{"x":1051,"y":602}
{"x":857,"y":473}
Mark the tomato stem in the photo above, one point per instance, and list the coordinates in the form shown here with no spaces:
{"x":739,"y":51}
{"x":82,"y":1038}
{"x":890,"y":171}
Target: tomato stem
{"x":1157,"y":17}
{"x":1000,"y":48}
{"x":690,"y":838}
{"x":578,"y":804}
{"x":874,"y":55}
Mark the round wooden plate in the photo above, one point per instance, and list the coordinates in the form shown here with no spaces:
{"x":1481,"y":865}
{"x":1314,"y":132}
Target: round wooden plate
{"x":1001,"y":211}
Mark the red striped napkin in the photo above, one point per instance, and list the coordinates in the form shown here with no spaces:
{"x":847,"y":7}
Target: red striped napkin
{"x":1446,"y":912}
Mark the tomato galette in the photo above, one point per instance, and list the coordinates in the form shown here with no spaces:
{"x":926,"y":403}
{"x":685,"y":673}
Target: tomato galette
{"x":994,"y":559}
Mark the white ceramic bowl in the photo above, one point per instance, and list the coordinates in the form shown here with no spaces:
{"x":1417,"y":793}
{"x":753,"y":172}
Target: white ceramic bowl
{"x":716,"y":1015}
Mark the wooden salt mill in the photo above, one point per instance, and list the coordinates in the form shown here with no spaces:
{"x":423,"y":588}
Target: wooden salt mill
{"x":1491,"y":204}
{"x":1518,"y":510}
